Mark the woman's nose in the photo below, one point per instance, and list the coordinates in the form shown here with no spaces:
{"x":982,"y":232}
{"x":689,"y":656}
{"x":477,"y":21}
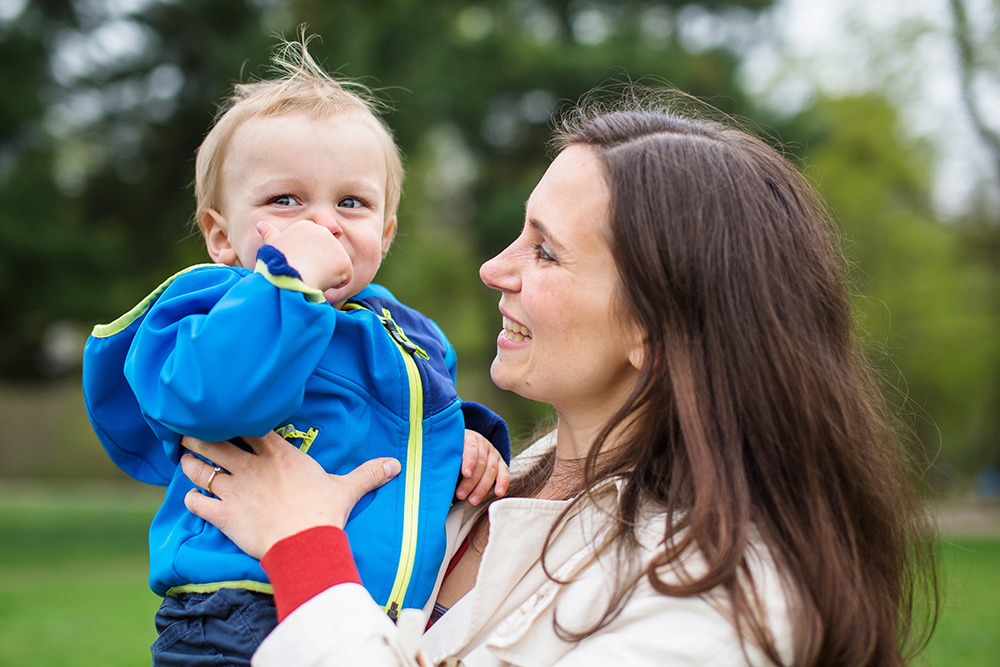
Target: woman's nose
{"x":500,"y":273}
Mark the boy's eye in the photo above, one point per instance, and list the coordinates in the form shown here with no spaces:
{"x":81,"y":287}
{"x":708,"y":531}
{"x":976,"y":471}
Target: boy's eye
{"x":285,"y":200}
{"x":351,"y":202}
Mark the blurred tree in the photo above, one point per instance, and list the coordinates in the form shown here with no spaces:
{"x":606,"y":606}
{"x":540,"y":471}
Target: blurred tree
{"x":978,"y":57}
{"x":105,"y":102}
{"x":930,"y":305}
{"x":474,"y":86}
{"x":117,"y":97}
{"x":96,"y":157}
{"x":27,"y":181}
{"x":977,"y":44}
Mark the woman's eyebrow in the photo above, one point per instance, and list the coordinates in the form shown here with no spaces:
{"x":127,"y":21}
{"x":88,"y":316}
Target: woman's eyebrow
{"x":543,"y":230}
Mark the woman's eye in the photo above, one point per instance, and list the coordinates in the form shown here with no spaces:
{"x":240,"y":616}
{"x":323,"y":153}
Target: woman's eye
{"x":285,"y":200}
{"x":351,"y":202}
{"x":543,"y":253}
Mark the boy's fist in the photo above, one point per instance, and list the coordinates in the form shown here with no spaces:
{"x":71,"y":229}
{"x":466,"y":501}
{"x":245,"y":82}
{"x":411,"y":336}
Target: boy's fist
{"x":312,"y":250}
{"x":482,"y":465}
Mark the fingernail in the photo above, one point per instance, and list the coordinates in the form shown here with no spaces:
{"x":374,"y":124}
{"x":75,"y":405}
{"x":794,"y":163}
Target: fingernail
{"x":474,"y":500}
{"x":391,"y":467}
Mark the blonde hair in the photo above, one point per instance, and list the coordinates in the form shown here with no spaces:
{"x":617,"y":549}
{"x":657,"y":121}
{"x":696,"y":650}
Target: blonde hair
{"x":300,"y":86}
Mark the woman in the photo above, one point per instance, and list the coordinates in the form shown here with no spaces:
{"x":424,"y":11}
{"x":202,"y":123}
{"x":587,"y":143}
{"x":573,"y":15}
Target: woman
{"x":722,"y":486}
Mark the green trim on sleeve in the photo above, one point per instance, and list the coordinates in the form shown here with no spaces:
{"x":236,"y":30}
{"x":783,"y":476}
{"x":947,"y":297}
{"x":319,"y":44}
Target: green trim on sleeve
{"x":289,"y":283}
{"x":122,"y":323}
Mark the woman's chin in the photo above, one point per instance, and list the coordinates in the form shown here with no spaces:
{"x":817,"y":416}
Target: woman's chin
{"x":510,"y":379}
{"x":500,"y":378}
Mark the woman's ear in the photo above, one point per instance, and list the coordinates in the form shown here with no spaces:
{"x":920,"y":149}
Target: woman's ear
{"x":214,"y":229}
{"x":637,"y":355}
{"x":636,"y":338}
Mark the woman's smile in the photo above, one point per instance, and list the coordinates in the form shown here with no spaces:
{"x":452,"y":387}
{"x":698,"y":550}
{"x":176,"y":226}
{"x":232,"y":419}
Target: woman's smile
{"x":515,"y":331}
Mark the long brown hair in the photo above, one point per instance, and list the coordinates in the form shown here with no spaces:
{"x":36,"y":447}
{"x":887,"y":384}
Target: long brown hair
{"x":755,"y":408}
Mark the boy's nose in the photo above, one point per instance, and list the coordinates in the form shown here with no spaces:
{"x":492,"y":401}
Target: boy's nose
{"x":328,"y":219}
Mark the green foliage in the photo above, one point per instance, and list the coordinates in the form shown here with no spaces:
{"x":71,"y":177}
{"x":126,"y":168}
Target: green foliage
{"x":928,"y":306}
{"x":473,"y":86}
{"x":97,"y":146}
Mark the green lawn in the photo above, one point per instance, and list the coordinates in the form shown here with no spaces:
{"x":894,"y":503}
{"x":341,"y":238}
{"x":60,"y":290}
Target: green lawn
{"x":73,"y":578}
{"x":968,"y":631}
{"x":73,"y":584}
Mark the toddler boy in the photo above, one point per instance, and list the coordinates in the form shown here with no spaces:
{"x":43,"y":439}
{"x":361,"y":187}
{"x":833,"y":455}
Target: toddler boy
{"x":297,"y":186}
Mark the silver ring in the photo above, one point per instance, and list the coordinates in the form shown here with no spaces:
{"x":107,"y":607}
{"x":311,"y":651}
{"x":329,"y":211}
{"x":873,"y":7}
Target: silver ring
{"x":212,"y":479}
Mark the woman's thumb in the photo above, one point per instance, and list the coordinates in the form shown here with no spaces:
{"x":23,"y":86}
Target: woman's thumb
{"x":372,"y":474}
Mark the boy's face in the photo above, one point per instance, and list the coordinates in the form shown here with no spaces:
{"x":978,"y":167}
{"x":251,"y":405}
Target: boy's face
{"x":331,"y":170}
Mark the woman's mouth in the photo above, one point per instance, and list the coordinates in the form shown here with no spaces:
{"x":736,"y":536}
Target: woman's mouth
{"x":514,"y":331}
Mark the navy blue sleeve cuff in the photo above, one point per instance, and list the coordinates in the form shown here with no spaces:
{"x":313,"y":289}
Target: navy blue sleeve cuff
{"x":487,"y":423}
{"x":276,"y":263}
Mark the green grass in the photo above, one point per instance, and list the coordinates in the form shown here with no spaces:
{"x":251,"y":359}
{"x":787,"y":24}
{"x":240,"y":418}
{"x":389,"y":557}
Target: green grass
{"x":968,"y":631}
{"x":73,"y":583}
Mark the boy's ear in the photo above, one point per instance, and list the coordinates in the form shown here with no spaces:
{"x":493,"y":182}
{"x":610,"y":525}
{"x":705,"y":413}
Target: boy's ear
{"x":388,"y":233}
{"x":220,"y":248}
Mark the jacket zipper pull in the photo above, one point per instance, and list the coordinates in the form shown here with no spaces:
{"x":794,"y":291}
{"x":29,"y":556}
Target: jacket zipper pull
{"x":398,"y":335}
{"x":393,"y":611}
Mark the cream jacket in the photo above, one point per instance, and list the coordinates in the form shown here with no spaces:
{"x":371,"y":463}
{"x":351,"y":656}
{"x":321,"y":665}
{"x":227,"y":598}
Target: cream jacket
{"x":507,"y":618}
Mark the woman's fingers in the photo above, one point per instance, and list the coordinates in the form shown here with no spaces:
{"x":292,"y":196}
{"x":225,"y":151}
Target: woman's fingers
{"x":267,"y":445}
{"x":203,"y":475}
{"x":367,"y":477}
{"x":276,"y":492}
{"x":196,"y":470}
{"x":225,"y":454}
{"x":231,"y":457}
{"x":206,"y":507}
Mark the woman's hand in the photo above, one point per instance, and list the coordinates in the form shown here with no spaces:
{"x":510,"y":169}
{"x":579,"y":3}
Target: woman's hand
{"x":274,"y":493}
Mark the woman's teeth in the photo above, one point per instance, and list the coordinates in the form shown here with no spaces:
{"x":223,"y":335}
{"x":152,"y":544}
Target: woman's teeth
{"x":515,"y":332}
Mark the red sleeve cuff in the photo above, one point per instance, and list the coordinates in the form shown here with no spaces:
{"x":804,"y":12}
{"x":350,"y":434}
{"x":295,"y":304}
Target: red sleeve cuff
{"x":306,"y":564}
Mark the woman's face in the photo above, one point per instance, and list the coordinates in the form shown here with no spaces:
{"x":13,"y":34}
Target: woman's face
{"x":564,"y":340}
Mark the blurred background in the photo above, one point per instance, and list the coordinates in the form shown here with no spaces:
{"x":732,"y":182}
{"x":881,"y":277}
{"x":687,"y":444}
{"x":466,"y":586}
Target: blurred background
{"x":891,"y":108}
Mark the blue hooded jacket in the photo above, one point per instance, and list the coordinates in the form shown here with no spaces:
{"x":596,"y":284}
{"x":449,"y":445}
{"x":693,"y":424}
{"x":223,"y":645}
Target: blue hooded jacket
{"x":219,"y":352}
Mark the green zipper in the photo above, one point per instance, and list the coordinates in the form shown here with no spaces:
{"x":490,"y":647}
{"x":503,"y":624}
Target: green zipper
{"x":414,"y":458}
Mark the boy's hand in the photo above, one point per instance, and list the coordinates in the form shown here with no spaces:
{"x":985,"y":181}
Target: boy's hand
{"x":312,"y":250}
{"x":481,"y":467}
